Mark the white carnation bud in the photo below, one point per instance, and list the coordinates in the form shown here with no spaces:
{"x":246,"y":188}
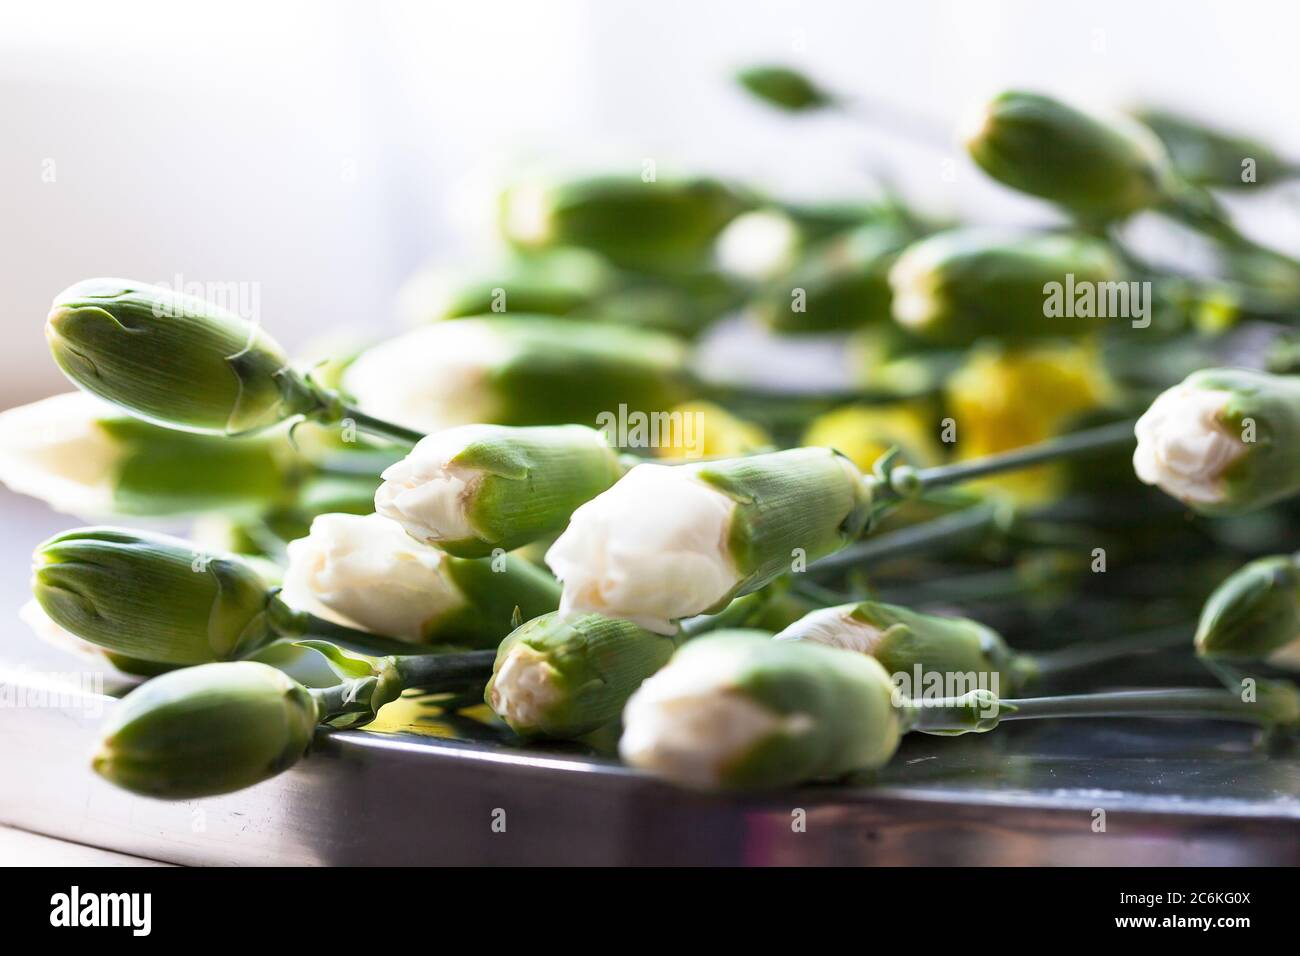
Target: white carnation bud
{"x":757,"y":245}
{"x":365,"y":571}
{"x":431,"y":378}
{"x":835,"y":627}
{"x":57,"y":451}
{"x":688,"y":724}
{"x":651,"y":549}
{"x":427,"y":493}
{"x":1184,"y":446}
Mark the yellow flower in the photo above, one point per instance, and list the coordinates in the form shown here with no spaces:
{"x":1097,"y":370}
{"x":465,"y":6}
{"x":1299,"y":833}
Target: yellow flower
{"x":706,"y":430}
{"x":1003,"y":399}
{"x":865,"y":432}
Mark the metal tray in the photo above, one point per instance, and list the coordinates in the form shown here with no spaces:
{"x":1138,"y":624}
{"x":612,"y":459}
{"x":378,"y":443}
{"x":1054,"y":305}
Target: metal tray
{"x":431,"y":789}
{"x":453,"y":790}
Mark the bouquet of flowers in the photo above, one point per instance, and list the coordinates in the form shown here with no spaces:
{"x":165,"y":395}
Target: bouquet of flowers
{"x":544,"y":504}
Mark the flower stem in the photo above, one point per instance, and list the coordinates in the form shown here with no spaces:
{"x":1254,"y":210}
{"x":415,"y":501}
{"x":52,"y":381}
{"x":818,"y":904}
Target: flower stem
{"x":968,"y":524}
{"x":442,"y":672}
{"x":292,"y":623}
{"x":378,"y":427}
{"x":1055,"y":663}
{"x":906,"y":482}
{"x":1175,"y":702}
{"x":980,"y":711}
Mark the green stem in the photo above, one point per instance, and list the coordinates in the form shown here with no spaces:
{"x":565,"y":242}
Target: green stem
{"x":968,"y":524}
{"x":736,"y":614}
{"x":442,"y":672}
{"x":904,"y":481}
{"x":981,"y":711}
{"x":1198,"y":210}
{"x":291,"y":623}
{"x":1051,"y":664}
{"x":1175,"y":702}
{"x":378,"y":427}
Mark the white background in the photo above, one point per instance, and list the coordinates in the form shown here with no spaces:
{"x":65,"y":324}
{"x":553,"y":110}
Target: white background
{"x":324,"y":150}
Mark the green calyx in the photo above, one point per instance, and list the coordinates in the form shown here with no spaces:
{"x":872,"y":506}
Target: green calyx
{"x":626,"y":367}
{"x":676,"y":220}
{"x":792,"y":507}
{"x":1254,"y":612}
{"x":963,"y":285}
{"x":554,"y":282}
{"x":842,"y":284}
{"x":529,"y":482}
{"x":152,"y":597}
{"x":498,"y":592}
{"x":565,"y":677}
{"x":174,"y":359}
{"x":206,"y":730}
{"x":917,"y":649}
{"x":817,"y":712}
{"x":163,"y":471}
{"x":1264,"y":411}
{"x":1100,"y":171}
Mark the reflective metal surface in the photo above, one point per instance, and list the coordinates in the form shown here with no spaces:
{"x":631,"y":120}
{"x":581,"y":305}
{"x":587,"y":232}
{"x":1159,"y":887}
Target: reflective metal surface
{"x":456,"y":791}
{"x":453,"y":790}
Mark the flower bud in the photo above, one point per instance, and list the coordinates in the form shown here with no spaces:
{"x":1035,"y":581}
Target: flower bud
{"x":151,"y":596}
{"x":1224,"y":441}
{"x":172,"y":358}
{"x":82,"y":456}
{"x":784,"y":88}
{"x":1099,"y":170}
{"x":516,"y":370}
{"x":367,"y":572}
{"x":843,"y":284}
{"x":558,"y":282}
{"x":758,"y":245}
{"x":740,"y":711}
{"x":563,"y":677}
{"x":966,"y":284}
{"x":474,"y":489}
{"x":909,"y":643}
{"x":657,"y":224}
{"x":34,"y":616}
{"x":667,"y":542}
{"x":1254,"y":614}
{"x":206,"y":730}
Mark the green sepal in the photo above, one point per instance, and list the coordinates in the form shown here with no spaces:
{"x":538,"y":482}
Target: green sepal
{"x":1269,"y":470}
{"x":493,"y":588}
{"x":594,"y":663}
{"x":802,"y":503}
